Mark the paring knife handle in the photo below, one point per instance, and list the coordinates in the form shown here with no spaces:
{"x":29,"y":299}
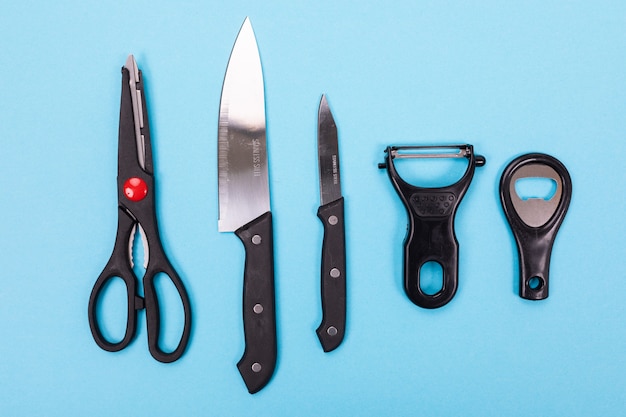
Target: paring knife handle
{"x":333,"y":274}
{"x":259,"y":317}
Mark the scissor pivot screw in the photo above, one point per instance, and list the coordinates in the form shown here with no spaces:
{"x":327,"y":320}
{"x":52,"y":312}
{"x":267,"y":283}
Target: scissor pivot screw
{"x":135,"y":189}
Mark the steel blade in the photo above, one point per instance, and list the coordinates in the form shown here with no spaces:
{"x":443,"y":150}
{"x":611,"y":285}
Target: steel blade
{"x":136,"y":85}
{"x":328,"y":154}
{"x":242,"y":153}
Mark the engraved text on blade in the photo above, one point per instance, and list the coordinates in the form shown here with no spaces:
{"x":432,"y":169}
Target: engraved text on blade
{"x":256,"y":157}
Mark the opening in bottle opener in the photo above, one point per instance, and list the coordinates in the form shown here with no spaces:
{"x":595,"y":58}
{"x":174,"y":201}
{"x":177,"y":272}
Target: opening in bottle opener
{"x":430,"y":239}
{"x":535,"y":220}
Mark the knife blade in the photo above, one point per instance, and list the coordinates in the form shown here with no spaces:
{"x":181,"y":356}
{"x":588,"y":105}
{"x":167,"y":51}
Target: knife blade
{"x":244,"y":202}
{"x":331,"y":212}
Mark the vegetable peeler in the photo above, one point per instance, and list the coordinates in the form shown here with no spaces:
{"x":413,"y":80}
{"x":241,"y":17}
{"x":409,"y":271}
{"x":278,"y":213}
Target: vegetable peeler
{"x":430,"y":233}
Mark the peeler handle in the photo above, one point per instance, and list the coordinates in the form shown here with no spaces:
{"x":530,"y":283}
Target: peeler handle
{"x":430,"y":234}
{"x":430,"y":239}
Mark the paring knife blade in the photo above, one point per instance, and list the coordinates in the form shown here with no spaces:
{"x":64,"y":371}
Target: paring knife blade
{"x":331,"y":213}
{"x":244,"y":202}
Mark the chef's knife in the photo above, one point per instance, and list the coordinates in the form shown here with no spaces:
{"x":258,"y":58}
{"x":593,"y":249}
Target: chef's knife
{"x":331,"y":213}
{"x":244,"y":202}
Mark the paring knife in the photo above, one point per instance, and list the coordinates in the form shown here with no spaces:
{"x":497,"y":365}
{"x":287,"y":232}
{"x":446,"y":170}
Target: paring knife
{"x":244,"y":202}
{"x":331,"y":213}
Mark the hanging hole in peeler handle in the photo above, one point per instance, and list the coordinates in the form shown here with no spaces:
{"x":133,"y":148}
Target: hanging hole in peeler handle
{"x":431,"y":278}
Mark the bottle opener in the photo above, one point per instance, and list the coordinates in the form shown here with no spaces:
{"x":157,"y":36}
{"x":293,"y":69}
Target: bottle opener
{"x":430,"y":232}
{"x":535,"y":221}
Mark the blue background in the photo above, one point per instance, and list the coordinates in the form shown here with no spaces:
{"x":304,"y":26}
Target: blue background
{"x":508,"y":77}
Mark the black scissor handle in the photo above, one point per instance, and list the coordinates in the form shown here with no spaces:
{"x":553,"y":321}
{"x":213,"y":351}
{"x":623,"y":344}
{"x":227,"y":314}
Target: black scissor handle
{"x":153,"y":317}
{"x":117,"y":267}
{"x":134,"y":303}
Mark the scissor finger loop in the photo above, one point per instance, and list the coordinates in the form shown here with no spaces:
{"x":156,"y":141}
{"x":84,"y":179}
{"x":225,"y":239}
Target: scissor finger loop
{"x":132,"y":305}
{"x":153,"y":315}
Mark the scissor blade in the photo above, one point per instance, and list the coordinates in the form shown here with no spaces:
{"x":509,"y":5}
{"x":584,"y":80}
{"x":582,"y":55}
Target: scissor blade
{"x":242,"y":154}
{"x":328,"y":154}
{"x":140,"y":118}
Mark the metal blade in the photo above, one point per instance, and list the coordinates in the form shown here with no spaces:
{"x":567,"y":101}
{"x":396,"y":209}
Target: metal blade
{"x":138,"y":110}
{"x":328,"y":154}
{"x":242,"y":153}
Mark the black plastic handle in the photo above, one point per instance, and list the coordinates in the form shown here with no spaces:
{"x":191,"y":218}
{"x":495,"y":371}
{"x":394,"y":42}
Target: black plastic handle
{"x":430,"y":232}
{"x":259,"y":316}
{"x":535,"y":222}
{"x":159,"y":264}
{"x":134,"y":303}
{"x":431,"y":239}
{"x":333,"y":275}
{"x":117,"y":267}
{"x":153,"y":318}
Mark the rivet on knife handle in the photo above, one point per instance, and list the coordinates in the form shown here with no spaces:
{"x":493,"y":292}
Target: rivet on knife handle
{"x":259,"y":316}
{"x":333,"y":282}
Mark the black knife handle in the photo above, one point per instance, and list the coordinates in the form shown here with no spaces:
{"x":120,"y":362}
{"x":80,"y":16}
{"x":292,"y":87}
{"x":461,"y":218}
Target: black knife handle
{"x":259,"y":316}
{"x":333,"y":274}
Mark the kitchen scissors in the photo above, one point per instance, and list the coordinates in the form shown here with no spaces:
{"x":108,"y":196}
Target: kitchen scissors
{"x":136,"y":213}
